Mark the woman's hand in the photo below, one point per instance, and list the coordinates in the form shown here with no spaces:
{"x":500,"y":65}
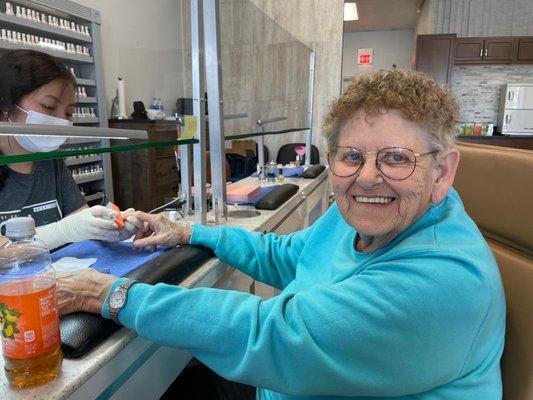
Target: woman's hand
{"x":131,"y":225}
{"x":83,"y":291}
{"x":158,"y":230}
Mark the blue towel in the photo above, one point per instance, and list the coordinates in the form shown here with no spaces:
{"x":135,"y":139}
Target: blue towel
{"x":119,"y":257}
{"x":293,"y":171}
{"x":288,"y":172}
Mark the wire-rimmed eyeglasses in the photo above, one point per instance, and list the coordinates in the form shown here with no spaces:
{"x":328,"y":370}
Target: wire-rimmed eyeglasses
{"x":396,"y":163}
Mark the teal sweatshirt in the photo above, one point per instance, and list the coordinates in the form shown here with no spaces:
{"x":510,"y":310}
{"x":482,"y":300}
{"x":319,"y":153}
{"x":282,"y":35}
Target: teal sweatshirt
{"x":422,"y":318}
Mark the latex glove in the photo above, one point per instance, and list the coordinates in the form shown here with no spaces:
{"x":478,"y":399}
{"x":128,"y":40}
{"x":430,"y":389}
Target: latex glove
{"x":158,"y":230}
{"x":131,"y":225}
{"x":96,"y":223}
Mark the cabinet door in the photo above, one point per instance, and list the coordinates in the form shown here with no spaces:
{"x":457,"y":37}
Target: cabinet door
{"x":434,"y":56}
{"x":525,"y":50}
{"x":469,"y":50}
{"x":499,"y":49}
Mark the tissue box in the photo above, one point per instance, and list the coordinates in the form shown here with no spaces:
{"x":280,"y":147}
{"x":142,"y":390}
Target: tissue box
{"x":241,"y":192}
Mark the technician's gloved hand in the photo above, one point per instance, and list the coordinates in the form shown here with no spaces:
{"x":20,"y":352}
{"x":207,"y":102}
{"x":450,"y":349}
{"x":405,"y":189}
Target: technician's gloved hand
{"x":96,"y":222}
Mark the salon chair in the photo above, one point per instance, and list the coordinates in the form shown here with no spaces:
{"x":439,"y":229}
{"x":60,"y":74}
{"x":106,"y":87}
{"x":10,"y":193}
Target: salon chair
{"x":496,"y":186}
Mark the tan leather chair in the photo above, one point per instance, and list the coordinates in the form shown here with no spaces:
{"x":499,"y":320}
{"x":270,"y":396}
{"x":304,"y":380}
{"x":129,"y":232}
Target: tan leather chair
{"x":496,"y":186}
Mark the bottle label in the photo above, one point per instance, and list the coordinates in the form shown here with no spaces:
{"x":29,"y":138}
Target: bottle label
{"x":29,"y":322}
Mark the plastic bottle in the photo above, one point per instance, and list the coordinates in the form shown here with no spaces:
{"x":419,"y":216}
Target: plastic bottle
{"x":31,"y":343}
{"x":153,"y":106}
{"x":271,"y":171}
{"x":159,"y":104}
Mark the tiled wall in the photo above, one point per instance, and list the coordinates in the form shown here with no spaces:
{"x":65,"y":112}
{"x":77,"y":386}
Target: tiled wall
{"x":478,"y":88}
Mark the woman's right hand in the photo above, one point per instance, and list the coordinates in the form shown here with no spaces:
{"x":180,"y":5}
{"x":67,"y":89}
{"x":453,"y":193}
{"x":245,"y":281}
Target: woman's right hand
{"x":158,"y":230}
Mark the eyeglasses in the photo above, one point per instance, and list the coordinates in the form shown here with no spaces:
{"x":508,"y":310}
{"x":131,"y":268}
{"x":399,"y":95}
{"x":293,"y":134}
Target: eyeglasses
{"x":396,"y":163}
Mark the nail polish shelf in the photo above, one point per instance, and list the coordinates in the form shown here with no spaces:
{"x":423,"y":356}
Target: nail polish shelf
{"x":42,"y":27}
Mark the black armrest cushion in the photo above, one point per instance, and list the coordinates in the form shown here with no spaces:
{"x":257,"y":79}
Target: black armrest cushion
{"x":277,"y":197}
{"x":313,"y":171}
{"x":81,"y":332}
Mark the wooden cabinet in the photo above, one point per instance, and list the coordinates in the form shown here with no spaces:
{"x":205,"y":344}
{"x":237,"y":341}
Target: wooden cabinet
{"x":524,"y":50}
{"x":435,"y":56}
{"x":496,"y":50}
{"x":469,"y":49}
{"x":145,"y":179}
{"x":499,"y":49}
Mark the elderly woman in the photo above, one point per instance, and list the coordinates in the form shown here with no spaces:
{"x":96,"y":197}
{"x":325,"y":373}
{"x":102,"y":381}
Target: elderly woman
{"x":392,"y":293}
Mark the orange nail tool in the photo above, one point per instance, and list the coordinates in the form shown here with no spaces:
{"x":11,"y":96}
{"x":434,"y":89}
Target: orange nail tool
{"x":118,"y":218}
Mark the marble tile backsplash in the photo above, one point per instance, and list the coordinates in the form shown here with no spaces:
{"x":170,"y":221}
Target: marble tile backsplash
{"x":477,"y":88}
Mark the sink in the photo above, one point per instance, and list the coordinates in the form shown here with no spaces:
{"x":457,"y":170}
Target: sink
{"x":243,"y":213}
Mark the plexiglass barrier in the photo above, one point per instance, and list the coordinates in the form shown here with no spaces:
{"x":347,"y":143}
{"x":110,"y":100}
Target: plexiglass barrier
{"x":115,"y":61}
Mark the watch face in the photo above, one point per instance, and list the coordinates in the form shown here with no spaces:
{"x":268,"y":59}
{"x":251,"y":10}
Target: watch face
{"x":116,"y":300}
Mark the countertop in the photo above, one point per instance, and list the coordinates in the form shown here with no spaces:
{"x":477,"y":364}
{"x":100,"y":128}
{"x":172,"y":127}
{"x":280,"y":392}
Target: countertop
{"x":75,"y":372}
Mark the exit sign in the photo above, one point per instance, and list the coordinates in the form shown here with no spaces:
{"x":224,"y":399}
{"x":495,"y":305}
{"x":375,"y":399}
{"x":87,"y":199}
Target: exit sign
{"x":364,"y":56}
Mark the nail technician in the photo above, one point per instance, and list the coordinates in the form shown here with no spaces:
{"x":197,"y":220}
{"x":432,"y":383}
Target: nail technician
{"x":35,"y":88}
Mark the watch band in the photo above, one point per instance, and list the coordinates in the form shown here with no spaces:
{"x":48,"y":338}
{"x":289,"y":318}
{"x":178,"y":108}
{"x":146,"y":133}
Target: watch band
{"x":123,"y":287}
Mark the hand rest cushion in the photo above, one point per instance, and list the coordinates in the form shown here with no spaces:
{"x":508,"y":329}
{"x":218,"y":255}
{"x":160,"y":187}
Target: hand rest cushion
{"x":313,"y":171}
{"x":81,"y":332}
{"x":277,"y":197}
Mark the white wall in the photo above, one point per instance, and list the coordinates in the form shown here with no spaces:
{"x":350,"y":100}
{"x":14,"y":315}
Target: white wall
{"x":390,"y":47}
{"x":142,"y":42}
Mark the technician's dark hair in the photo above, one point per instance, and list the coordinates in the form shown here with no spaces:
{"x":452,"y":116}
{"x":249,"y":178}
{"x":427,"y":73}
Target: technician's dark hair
{"x":22,"y":72}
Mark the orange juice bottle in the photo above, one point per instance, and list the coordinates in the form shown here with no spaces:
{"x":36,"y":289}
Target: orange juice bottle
{"x":29,"y":317}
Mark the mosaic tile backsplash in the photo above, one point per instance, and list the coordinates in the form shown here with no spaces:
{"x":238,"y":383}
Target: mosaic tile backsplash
{"x":478,"y":88}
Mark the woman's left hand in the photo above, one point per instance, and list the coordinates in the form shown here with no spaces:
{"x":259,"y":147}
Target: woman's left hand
{"x":83,"y":291}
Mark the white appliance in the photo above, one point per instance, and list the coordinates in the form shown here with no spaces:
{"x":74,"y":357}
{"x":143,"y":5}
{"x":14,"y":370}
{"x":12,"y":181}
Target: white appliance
{"x":516,"y":109}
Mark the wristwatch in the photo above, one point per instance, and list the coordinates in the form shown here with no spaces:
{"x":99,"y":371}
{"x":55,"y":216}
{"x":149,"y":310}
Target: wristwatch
{"x":119,"y":297}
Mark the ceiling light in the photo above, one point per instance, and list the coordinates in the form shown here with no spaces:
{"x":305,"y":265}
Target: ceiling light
{"x":350,"y":12}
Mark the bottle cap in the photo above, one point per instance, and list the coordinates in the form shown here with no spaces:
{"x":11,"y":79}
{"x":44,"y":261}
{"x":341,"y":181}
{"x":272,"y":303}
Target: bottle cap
{"x":20,"y":227}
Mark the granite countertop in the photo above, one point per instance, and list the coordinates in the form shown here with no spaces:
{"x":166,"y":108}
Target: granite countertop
{"x":75,"y":372}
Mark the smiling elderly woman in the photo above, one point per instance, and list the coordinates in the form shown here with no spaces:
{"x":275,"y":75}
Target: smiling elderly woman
{"x":391,"y":293}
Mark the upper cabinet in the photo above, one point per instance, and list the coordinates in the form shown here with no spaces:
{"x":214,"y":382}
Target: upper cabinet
{"x":494,"y":50}
{"x":469,"y":49}
{"x":524,"y":52}
{"x":434,"y":56}
{"x":485,"y":50}
{"x":501,"y":50}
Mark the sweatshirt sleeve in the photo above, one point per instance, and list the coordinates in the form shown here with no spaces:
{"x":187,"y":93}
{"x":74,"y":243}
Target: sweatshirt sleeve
{"x":268,"y":258}
{"x":358,"y":337}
